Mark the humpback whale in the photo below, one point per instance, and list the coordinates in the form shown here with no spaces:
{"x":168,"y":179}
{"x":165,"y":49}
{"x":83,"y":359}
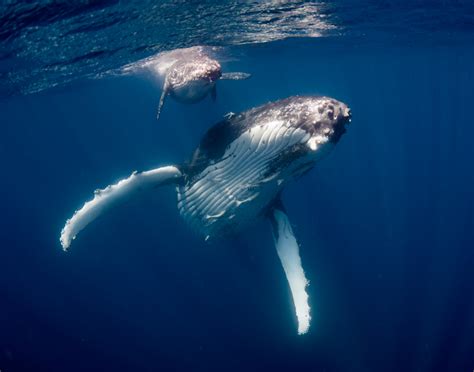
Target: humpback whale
{"x":237,"y":174}
{"x":190,"y":75}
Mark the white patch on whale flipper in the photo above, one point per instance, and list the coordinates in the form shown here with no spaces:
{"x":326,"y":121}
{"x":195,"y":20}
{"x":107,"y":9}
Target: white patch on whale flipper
{"x":113,"y":195}
{"x":288,"y":251}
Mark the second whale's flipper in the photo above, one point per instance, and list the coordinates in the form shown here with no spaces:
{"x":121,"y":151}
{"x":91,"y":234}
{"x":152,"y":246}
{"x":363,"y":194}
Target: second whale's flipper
{"x":164,"y":93}
{"x":235,"y":76}
{"x":288,"y":251}
{"x":115,"y":194}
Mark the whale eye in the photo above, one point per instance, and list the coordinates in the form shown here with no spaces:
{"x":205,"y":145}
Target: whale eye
{"x":331,"y":115}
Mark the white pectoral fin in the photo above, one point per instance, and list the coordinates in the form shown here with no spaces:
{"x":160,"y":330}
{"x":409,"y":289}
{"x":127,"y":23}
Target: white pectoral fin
{"x":235,"y":76}
{"x":288,"y":251}
{"x":114,"y":195}
{"x":164,"y":93}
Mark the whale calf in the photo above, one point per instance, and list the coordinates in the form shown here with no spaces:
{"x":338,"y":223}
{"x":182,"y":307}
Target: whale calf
{"x":190,"y":74}
{"x":237,"y":175}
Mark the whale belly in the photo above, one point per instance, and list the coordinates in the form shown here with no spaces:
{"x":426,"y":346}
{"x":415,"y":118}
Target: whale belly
{"x":235,"y":189}
{"x":192,"y":91}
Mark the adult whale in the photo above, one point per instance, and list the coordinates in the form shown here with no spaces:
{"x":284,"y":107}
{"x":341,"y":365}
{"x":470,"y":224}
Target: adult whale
{"x":237,"y":174}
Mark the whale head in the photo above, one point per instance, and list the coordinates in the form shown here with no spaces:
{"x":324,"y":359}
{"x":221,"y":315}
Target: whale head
{"x":325,"y":119}
{"x":321,"y":122}
{"x":213,"y":71}
{"x":190,"y":81}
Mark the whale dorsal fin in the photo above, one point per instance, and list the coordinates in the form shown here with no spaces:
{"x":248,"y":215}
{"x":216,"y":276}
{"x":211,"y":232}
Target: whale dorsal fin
{"x":113,"y":195}
{"x":288,"y":252}
{"x":235,"y":76}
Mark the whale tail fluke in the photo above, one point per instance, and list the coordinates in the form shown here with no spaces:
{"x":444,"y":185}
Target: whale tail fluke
{"x":288,"y":252}
{"x":112,"y":195}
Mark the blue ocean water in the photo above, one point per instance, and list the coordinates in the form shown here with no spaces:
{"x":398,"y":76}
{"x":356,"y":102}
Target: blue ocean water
{"x":385,"y":223}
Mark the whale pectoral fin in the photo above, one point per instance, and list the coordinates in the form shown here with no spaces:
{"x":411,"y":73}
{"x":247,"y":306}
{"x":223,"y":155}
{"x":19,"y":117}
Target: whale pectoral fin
{"x":288,"y":251}
{"x":214,"y":93}
{"x":164,"y":93}
{"x":114,"y":195}
{"x":235,"y":76}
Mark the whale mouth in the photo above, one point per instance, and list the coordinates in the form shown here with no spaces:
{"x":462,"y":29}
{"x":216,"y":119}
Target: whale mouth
{"x":345,"y":115}
{"x":348,"y":113}
{"x":344,"y":119}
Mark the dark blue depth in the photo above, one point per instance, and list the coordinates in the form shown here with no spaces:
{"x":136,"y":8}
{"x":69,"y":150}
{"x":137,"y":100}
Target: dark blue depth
{"x":385,"y":223}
